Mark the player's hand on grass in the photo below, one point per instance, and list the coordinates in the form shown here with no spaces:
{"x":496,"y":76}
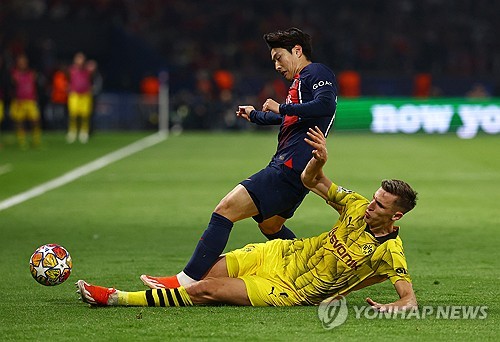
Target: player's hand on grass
{"x":318,"y":141}
{"x":271,"y":105}
{"x":393,"y":307}
{"x":244,"y":112}
{"x":376,"y":306}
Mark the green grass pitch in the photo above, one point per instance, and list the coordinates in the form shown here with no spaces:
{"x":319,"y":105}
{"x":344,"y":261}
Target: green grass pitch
{"x":145,"y":213}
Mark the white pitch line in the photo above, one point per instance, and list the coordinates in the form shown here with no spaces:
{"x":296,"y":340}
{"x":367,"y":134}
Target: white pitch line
{"x":83,"y":170}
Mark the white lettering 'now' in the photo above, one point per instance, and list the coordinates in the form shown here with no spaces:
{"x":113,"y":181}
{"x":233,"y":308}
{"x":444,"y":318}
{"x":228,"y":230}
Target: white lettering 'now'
{"x":410,"y":118}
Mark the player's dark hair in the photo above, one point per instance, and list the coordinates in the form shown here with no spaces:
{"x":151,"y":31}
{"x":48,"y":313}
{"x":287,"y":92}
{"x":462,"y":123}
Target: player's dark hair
{"x":407,"y":197}
{"x":288,"y":38}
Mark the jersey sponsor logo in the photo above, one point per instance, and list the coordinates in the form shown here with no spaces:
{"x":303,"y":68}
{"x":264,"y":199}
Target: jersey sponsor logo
{"x":341,"y":250}
{"x":321,"y":84}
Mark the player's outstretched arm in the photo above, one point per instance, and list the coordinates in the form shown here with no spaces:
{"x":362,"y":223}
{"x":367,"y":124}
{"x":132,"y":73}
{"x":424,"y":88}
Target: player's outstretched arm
{"x":313,"y":176}
{"x":258,"y":117}
{"x":407,"y":299}
{"x":244,"y":112}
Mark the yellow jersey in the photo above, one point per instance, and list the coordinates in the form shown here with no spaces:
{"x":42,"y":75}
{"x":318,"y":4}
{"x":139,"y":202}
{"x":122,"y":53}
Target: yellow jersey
{"x":308,"y":271}
{"x":347,"y":257}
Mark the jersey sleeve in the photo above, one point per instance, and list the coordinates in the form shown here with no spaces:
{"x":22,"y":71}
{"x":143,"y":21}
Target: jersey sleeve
{"x":393,"y":262}
{"x":340,"y":198}
{"x":265,"y":118}
{"x":322,"y":84}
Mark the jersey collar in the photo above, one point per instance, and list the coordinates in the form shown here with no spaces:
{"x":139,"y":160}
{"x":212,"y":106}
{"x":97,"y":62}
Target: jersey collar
{"x":382,"y":239}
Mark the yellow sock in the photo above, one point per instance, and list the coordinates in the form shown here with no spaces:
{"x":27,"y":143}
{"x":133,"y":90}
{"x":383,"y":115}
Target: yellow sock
{"x":84,"y":125}
{"x":157,"y":297}
{"x":72,"y":125}
{"x":21,"y":137}
{"x":37,"y":135}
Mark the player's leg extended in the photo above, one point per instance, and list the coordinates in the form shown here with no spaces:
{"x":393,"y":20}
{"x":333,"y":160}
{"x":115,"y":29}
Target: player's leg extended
{"x":235,"y":206}
{"x":217,"y":287}
{"x":102,"y":296}
{"x":208,"y":291}
{"x":219,"y":290}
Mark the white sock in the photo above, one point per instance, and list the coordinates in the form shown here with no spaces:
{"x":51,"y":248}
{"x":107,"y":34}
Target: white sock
{"x":184,"y":279}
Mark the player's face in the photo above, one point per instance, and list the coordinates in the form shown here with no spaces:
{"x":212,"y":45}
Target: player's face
{"x":382,"y":210}
{"x":284,"y":62}
{"x":79,"y":59}
{"x":22,"y":63}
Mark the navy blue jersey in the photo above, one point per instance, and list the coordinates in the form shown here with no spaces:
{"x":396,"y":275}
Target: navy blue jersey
{"x":311,"y":101}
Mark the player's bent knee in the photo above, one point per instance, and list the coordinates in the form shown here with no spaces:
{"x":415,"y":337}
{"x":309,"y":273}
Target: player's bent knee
{"x":223,"y":207}
{"x":237,"y":205}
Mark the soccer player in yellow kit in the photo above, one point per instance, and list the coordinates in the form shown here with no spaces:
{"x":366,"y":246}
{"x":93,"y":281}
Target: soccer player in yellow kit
{"x":24,"y":106}
{"x":362,"y":248}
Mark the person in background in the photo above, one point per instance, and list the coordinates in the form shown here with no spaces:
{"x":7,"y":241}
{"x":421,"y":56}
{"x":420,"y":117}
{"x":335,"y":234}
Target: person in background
{"x":80,"y":99}
{"x":24,"y":106}
{"x":58,"y":107}
{"x":2,"y":91}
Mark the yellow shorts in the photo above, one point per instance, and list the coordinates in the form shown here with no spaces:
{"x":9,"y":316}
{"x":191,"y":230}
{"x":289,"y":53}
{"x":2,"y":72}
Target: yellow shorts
{"x":22,"y":110}
{"x":261,"y":267}
{"x":1,"y":111}
{"x":79,"y":104}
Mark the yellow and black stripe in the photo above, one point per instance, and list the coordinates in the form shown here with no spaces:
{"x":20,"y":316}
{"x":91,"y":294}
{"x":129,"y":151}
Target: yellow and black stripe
{"x":155,"y":297}
{"x":168,"y":297}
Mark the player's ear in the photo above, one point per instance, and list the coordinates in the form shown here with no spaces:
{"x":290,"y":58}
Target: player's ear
{"x":297,"y":50}
{"x":397,"y":216}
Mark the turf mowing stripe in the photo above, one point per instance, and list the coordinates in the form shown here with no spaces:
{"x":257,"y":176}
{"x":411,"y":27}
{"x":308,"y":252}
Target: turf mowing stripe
{"x":5,"y":169}
{"x":83,"y":170}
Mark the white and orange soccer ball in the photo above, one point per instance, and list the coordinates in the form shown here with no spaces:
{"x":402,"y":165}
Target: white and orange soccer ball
{"x":51,"y":264}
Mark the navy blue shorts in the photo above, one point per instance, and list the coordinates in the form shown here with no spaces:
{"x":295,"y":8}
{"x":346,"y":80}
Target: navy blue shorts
{"x":275,"y":190}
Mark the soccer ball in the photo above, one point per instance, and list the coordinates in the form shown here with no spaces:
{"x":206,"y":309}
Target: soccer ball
{"x":50,"y":264}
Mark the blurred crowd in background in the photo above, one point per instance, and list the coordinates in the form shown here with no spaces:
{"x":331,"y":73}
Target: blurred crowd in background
{"x":216,"y":58}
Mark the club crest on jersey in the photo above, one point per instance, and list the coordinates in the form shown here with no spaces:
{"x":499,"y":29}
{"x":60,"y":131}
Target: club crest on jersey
{"x":367,"y":248}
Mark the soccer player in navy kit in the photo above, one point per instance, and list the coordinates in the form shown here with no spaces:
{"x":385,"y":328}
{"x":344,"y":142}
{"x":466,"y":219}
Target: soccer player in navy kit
{"x":272,"y":195}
